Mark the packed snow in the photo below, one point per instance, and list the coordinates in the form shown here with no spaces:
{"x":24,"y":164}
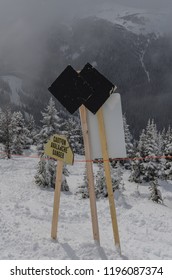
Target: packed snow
{"x":26,"y":213}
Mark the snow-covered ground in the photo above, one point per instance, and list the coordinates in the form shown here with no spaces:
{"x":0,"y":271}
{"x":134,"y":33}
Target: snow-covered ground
{"x":26,"y":213}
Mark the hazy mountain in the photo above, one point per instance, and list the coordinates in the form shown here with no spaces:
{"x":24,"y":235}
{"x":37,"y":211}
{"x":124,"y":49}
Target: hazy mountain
{"x":137,"y":61}
{"x":139,"y":64}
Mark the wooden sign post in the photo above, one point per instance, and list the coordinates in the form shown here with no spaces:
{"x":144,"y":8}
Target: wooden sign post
{"x":105,"y":155}
{"x":58,"y":148}
{"x":56,"y":206}
{"x":107,"y":140}
{"x":90,"y":176}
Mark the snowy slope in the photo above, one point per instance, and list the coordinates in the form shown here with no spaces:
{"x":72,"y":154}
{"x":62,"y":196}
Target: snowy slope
{"x":26,"y":212}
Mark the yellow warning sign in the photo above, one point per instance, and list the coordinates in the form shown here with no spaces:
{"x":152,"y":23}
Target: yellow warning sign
{"x":59,"y":148}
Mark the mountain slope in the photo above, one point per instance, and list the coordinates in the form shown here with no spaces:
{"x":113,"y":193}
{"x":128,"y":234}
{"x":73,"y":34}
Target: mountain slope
{"x":13,"y":87}
{"x":139,"y":64}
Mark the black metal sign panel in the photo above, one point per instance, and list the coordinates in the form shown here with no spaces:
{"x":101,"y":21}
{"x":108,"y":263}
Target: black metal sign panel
{"x":88,"y":87}
{"x":101,"y":88}
{"x":70,"y":89}
{"x":65,"y":91}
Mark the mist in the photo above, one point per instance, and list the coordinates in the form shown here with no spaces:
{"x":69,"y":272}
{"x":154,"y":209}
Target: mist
{"x":24,"y":27}
{"x":25,"y":24}
{"x":153,"y":5}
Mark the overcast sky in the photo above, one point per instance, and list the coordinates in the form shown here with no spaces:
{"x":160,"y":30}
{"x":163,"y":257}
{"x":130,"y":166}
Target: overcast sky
{"x":43,"y":9}
{"x":24,"y":23}
{"x":40,"y":13}
{"x":146,"y":4}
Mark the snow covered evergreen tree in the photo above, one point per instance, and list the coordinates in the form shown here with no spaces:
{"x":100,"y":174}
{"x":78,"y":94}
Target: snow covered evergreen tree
{"x":142,"y":144}
{"x":45,"y":176}
{"x":160,"y":143}
{"x":20,"y":134}
{"x":136,"y":170}
{"x":6,"y":131}
{"x":155,"y":192}
{"x":1,"y":134}
{"x":128,"y":139}
{"x":168,"y":155}
{"x":32,"y":129}
{"x":72,"y":127}
{"x":46,"y":170}
{"x":76,"y":137}
{"x":151,"y":141}
{"x":41,"y":177}
{"x":100,"y":184}
{"x":50,"y":125}
{"x":83,"y":189}
{"x":1,"y":122}
{"x":136,"y":166}
{"x":100,"y":181}
{"x":147,"y":166}
{"x":151,"y":164}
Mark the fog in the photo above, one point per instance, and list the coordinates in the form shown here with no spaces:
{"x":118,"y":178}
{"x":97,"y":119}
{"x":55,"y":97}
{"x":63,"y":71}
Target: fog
{"x":153,"y":5}
{"x":24,"y":25}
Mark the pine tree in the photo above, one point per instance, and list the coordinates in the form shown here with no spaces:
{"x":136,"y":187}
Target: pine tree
{"x":1,"y":127}
{"x":1,"y":134}
{"x":168,"y":155}
{"x":129,"y":144}
{"x":100,"y":181}
{"x":160,"y":143}
{"x":83,"y":189}
{"x":137,"y":170}
{"x":45,"y":176}
{"x":50,"y":125}
{"x":6,"y":131}
{"x":128,"y":139}
{"x":165,"y":139}
{"x":41,"y":178}
{"x":117,"y":173}
{"x":100,"y":184}
{"x":151,"y":147}
{"x":32,"y":129}
{"x":65,"y":186}
{"x":46,"y":170}
{"x":20,"y":134}
{"x":72,"y":127}
{"x":148,"y":166}
{"x":142,"y":144}
{"x":151,"y":164}
{"x":155,"y":192}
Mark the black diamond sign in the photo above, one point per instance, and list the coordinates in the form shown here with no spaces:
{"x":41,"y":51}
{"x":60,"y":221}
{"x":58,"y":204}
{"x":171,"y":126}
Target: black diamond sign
{"x":88,"y":87}
{"x":101,"y":88}
{"x":70,"y":89}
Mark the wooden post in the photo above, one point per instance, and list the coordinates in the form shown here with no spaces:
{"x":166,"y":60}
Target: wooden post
{"x":103,"y":141}
{"x":90,"y":175}
{"x":59,"y":172}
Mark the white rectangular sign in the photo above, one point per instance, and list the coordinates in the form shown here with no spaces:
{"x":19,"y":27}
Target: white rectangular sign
{"x":114,"y":129}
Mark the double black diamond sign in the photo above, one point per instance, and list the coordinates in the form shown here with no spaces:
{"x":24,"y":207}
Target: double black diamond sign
{"x":87,"y":87}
